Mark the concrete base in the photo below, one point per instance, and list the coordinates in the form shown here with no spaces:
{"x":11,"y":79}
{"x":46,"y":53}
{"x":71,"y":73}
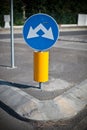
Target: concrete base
{"x":7,"y":25}
{"x":56,"y":85}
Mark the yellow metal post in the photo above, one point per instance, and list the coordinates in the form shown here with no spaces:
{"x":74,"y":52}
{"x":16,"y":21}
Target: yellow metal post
{"x":41,"y":66}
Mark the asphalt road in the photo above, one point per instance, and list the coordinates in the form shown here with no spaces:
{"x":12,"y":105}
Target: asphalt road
{"x":68,"y":61}
{"x":67,"y":33}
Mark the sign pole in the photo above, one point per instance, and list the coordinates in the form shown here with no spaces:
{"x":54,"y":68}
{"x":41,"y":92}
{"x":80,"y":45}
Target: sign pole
{"x":40,"y":83}
{"x":12,"y":37}
{"x":41,"y":32}
{"x":41,"y":67}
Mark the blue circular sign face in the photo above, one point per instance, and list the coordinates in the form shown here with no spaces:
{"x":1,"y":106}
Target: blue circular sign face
{"x":40,"y":31}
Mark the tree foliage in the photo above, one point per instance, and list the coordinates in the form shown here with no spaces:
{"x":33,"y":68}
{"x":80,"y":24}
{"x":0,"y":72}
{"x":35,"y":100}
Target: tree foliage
{"x":76,"y":6}
{"x":56,"y":8}
{"x":5,"y":6}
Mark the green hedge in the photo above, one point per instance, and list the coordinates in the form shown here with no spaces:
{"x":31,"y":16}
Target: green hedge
{"x":62,"y":18}
{"x":18,"y":19}
{"x":1,"y":20}
{"x":65,"y":18}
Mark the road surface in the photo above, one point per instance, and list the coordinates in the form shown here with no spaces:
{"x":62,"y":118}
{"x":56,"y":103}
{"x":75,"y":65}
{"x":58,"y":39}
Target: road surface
{"x":68,"y":61}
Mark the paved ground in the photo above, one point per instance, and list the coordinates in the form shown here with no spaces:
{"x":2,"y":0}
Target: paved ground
{"x":68,"y":64}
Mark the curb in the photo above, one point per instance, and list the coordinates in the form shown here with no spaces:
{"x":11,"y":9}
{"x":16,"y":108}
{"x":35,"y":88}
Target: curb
{"x":65,"y":106}
{"x":62,"y":28}
{"x":72,"y":27}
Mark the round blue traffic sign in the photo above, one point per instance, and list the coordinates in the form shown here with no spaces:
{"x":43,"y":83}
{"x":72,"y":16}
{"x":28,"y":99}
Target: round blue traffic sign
{"x":40,"y":31}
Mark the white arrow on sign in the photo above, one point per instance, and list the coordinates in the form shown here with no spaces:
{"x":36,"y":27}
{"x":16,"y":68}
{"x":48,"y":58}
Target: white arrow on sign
{"x":47,"y":33}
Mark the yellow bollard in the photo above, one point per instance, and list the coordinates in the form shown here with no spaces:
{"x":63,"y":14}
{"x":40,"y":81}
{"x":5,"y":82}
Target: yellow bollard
{"x":41,"y":65}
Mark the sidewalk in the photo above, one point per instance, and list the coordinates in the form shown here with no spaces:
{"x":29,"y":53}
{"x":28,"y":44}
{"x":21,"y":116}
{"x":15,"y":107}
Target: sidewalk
{"x":63,"y":107}
{"x":65,"y":27}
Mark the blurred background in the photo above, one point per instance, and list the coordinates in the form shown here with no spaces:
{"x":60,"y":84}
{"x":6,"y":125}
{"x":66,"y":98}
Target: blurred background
{"x":64,"y":11}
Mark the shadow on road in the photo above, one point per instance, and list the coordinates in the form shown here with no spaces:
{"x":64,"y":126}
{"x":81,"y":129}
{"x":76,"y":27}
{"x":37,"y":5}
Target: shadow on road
{"x":12,"y":112}
{"x":16,"y":84}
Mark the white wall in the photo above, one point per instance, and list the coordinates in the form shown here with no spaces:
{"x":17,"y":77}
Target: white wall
{"x":7,"y":21}
{"x":82,"y":19}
